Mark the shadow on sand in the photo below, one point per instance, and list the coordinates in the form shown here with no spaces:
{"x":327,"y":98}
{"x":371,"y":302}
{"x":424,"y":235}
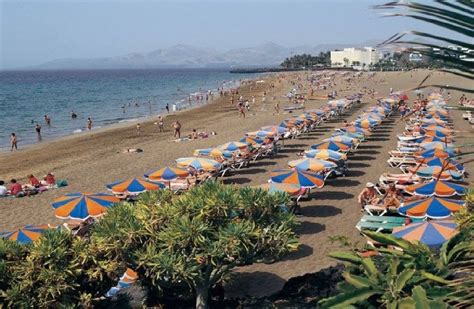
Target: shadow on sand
{"x":331,"y":195}
{"x":344,"y":182}
{"x":303,"y":251}
{"x":309,"y":228}
{"x":321,"y":211}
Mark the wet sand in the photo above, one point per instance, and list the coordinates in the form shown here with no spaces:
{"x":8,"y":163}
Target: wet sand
{"x":89,"y":161}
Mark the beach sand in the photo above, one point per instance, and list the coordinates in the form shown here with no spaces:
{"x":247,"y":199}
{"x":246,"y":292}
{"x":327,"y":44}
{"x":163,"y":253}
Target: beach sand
{"x":91,"y":160}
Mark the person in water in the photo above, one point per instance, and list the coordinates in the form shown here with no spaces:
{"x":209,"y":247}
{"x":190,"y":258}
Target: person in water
{"x":73,"y":115}
{"x":89,"y":123}
{"x":47,"y":119}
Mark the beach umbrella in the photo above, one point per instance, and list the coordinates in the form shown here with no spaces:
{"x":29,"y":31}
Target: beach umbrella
{"x":432,"y":233}
{"x":356,"y":129}
{"x":318,"y":112}
{"x":297,"y":177}
{"x":358,"y":136}
{"x":273,"y":187}
{"x":275,"y":129}
{"x":439,"y":153}
{"x":286,"y":125}
{"x":437,"y":112}
{"x":81,"y":206}
{"x":446,"y":163}
{"x":167,"y":174}
{"x":313,"y":165}
{"x":439,"y":188}
{"x":309,"y":116}
{"x":335,"y":146}
{"x":438,"y":172}
{"x":219,"y":153}
{"x":261,"y":134}
{"x":366,"y":123}
{"x":349,"y":141}
{"x":254,"y":141}
{"x":429,"y":121}
{"x":134,"y":186}
{"x":432,"y":207}
{"x":199,"y":163}
{"x":377,"y":109}
{"x":26,"y":234}
{"x":371,"y":116}
{"x":428,"y":139}
{"x":127,"y":279}
{"x":325,"y":154}
{"x":436,"y":145}
{"x":233,"y":146}
{"x":437,"y":133}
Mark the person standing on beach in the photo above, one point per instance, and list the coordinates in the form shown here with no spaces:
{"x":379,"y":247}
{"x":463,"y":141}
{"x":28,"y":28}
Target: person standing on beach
{"x":89,"y":123}
{"x":138,"y":128}
{"x":241,"y":110}
{"x":167,"y":108}
{"x":277,"y":108}
{"x":161,"y":125}
{"x":13,"y":141}
{"x":38,"y":131}
{"x":177,"y":129}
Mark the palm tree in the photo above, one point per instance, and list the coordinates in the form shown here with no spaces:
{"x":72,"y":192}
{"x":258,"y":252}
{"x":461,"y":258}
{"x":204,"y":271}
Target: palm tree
{"x":346,"y":62}
{"x":454,"y":17}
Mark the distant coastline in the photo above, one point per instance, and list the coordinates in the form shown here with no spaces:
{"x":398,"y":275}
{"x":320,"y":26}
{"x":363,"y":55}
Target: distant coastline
{"x":277,"y":70}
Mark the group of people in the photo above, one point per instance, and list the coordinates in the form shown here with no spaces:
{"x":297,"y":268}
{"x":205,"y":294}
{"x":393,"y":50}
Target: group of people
{"x":32,"y":187}
{"x":38,"y":128}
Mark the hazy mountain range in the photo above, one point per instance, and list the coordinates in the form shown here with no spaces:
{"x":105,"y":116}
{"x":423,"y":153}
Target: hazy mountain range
{"x":187,"y":56}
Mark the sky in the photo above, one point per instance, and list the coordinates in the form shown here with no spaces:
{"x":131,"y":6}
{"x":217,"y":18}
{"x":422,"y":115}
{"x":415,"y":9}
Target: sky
{"x":34,"y":32}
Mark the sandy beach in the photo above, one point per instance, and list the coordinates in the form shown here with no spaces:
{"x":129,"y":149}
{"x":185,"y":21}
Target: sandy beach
{"x":89,"y":161}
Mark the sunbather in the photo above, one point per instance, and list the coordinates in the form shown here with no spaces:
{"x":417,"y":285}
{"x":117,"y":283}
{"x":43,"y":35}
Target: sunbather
{"x":132,"y":150}
{"x":368,"y":196}
{"x":391,"y":197}
{"x":33,"y":182}
{"x":3,"y":189}
{"x":16,"y":189}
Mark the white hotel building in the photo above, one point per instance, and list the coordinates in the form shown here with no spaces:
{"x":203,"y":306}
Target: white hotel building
{"x":354,"y":57}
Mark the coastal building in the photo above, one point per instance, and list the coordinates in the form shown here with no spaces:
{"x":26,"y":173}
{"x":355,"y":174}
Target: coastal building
{"x":354,"y":57}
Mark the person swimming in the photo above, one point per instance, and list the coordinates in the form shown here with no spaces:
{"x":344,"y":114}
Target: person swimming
{"x":73,"y":115}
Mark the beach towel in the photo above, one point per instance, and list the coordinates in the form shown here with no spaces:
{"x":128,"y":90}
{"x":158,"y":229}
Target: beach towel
{"x":61,"y":183}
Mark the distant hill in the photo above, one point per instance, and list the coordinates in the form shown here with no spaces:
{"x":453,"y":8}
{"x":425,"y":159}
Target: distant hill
{"x":187,"y":56}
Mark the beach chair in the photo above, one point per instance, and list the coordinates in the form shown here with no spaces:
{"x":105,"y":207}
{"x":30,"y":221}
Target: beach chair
{"x":401,"y":161}
{"x":380,"y":223}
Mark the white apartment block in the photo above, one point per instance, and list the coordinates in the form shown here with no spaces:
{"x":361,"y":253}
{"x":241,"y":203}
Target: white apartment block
{"x":354,"y":57}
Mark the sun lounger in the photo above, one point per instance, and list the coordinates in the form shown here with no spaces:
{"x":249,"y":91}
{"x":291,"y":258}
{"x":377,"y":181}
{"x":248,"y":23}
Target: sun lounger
{"x":401,"y":161}
{"x":386,"y":224}
{"x":403,"y":179}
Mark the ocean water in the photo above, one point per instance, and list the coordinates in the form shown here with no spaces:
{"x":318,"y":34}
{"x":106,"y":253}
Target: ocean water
{"x":26,"y":96}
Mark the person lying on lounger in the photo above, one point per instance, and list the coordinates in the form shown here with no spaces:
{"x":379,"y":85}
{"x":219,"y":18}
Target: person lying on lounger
{"x":132,"y":150}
